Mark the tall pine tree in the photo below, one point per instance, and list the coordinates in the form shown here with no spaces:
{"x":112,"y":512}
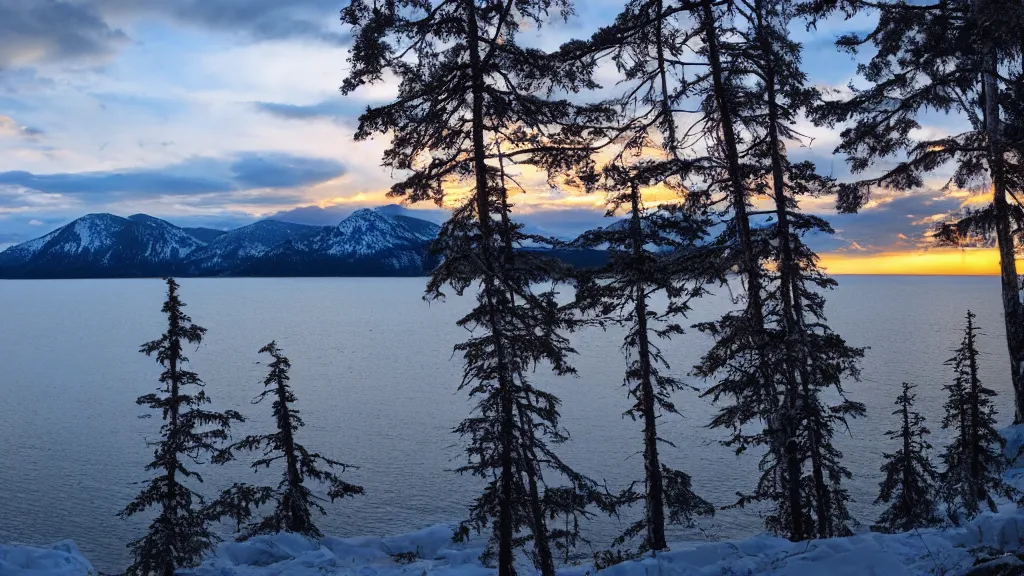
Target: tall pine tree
{"x":815,"y":357}
{"x":469,"y":110}
{"x":180,"y":533}
{"x":959,"y":57}
{"x":655,"y":250}
{"x":775,"y":361}
{"x":973,"y":463}
{"x":743,"y":360}
{"x":909,"y":486}
{"x":652,"y":252}
{"x":294,"y":502}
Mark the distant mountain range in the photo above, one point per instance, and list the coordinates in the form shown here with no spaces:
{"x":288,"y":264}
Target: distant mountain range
{"x":370,"y":242}
{"x":367,"y":243}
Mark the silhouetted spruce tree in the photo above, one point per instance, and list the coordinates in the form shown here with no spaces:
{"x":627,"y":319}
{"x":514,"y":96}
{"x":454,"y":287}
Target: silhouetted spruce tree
{"x":959,"y":57}
{"x":814,"y":357}
{"x":774,"y":358}
{"x":655,"y":250}
{"x":744,"y":360}
{"x":649,"y":253}
{"x":909,"y":486}
{"x":180,"y":533}
{"x":973,"y":463}
{"x":470,"y":108}
{"x":294,"y":502}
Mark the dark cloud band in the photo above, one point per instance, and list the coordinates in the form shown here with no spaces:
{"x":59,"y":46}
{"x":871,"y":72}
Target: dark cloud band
{"x":53,"y":30}
{"x":196,"y":176}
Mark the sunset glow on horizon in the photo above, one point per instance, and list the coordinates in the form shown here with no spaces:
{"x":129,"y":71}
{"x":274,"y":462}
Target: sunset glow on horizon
{"x":938,"y":262}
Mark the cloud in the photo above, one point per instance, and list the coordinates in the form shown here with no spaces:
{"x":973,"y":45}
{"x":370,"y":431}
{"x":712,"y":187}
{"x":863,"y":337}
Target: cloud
{"x":8,"y":127}
{"x":34,"y":31}
{"x":326,"y":109}
{"x":256,"y":19}
{"x":893,"y":223}
{"x":37,"y":31}
{"x":196,"y":176}
{"x":314,"y":215}
{"x":283,"y":171}
{"x":331,"y":214}
{"x":565,"y":223}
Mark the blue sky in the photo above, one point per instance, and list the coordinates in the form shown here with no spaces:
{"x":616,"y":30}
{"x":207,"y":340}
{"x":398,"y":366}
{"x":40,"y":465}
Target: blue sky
{"x":220,"y":112}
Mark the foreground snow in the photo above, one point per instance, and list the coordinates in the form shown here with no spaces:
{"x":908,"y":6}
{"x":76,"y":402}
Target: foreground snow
{"x":429,"y":552}
{"x":60,"y":559}
{"x":928,"y":552}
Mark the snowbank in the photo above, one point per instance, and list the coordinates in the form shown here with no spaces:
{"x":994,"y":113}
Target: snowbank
{"x":430,"y":552}
{"x":60,"y":559}
{"x":949,"y":551}
{"x":1014,"y":436}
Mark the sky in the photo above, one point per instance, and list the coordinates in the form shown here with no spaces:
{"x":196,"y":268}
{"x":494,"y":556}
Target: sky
{"x":220,"y":112}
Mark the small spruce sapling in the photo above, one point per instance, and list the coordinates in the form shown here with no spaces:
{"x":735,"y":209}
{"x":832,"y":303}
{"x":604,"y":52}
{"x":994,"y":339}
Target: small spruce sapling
{"x":909,"y":486}
{"x":294,"y":502}
{"x":180,"y":533}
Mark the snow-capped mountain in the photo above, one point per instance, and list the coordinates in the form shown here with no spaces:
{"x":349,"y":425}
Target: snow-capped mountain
{"x":19,"y":254}
{"x":367,"y":243}
{"x":102,"y":245}
{"x":241,"y":246}
{"x":367,"y":232}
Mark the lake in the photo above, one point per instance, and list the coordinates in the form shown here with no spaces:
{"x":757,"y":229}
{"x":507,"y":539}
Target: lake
{"x":376,"y":382}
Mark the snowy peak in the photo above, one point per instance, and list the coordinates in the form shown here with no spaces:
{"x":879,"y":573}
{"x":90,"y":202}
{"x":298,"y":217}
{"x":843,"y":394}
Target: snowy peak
{"x":103,"y":245}
{"x":367,"y":243}
{"x":89,"y":233}
{"x":368,"y":231}
{"x":263,"y":235}
{"x":246,"y":243}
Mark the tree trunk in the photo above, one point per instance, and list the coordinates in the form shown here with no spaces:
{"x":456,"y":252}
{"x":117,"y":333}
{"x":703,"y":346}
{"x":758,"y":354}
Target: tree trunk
{"x":1013,"y":315}
{"x":541,"y":544}
{"x":655,"y":498}
{"x":978,"y":489}
{"x":739,"y":195}
{"x":506,"y":480}
{"x":787,"y":277}
{"x":905,"y":504}
{"x":170,"y":505}
{"x":296,"y":522}
{"x":773,"y":428}
{"x":666,"y":106}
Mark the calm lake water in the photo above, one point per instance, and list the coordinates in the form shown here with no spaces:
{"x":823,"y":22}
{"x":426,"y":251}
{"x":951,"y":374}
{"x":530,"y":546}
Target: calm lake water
{"x":376,"y":382}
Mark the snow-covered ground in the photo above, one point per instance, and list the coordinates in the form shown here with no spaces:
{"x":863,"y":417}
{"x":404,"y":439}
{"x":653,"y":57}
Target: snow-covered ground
{"x":429,"y":552}
{"x":927,"y":552}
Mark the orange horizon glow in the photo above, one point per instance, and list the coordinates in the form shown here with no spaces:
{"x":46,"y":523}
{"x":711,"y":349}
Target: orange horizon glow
{"x":934,"y":262}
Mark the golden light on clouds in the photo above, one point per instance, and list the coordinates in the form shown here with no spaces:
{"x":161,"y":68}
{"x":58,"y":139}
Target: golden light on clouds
{"x":938,"y":261}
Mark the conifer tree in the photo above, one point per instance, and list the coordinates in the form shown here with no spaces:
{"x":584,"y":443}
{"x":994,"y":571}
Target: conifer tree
{"x":815,"y":358}
{"x":973,"y":463}
{"x":655,"y":250}
{"x":471,"y":108}
{"x":909,"y":484}
{"x":180,"y":533}
{"x":652,"y":252}
{"x":957,"y":57}
{"x":775,"y":360}
{"x":294,"y":502}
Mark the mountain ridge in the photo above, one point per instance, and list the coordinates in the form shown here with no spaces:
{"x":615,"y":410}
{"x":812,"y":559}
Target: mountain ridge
{"x":384,"y":241}
{"x":103,"y":245}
